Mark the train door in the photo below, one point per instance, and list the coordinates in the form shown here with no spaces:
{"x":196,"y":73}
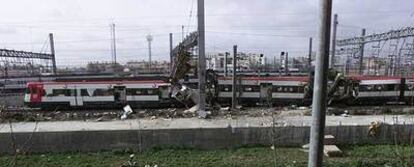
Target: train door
{"x":164,"y":93}
{"x":120,"y":95}
{"x":266,"y":93}
{"x":36,"y":91}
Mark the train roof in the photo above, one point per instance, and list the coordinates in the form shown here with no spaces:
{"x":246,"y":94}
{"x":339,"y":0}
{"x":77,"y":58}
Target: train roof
{"x":374,"y":77}
{"x":99,"y":82}
{"x":272,"y":78}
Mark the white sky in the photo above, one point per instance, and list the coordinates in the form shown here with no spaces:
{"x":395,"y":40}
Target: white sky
{"x":82,"y":32}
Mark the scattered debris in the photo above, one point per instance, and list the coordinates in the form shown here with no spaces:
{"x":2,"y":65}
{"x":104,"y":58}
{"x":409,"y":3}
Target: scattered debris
{"x":332,"y":151}
{"x":225,"y":109}
{"x":293,"y":107}
{"x":99,"y":119}
{"x":131,"y":162}
{"x":305,"y":146}
{"x":303,"y":108}
{"x":329,"y":148}
{"x":127,"y":111}
{"x":374,"y":128}
{"x":345,"y":114}
{"x":239,"y":107}
{"x":191,"y":110}
{"x":329,"y":140}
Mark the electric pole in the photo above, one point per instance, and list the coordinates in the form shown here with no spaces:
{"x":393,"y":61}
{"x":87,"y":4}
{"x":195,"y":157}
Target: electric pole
{"x":52,"y":51}
{"x":333,"y":50}
{"x":310,"y":56}
{"x":149,"y":40}
{"x":287,"y":64}
{"x":182,"y":33}
{"x":171,"y":51}
{"x":234,"y":87}
{"x":225,"y":63}
{"x":361,"y":51}
{"x":201,"y":61}
{"x":320,"y":86}
{"x":113,"y":44}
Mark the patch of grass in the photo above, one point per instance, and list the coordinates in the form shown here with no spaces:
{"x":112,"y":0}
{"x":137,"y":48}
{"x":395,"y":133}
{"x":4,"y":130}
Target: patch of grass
{"x":355,"y":156}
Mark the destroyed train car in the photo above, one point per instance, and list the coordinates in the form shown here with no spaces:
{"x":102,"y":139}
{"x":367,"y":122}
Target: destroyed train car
{"x":249,"y":90}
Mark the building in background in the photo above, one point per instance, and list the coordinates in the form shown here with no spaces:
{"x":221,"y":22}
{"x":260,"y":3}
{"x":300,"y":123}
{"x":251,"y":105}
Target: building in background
{"x":245,"y":62}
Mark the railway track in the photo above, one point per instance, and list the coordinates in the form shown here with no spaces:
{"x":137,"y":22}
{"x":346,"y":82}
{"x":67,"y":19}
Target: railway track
{"x":27,"y":114}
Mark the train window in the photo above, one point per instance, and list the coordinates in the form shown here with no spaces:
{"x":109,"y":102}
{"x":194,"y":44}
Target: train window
{"x":248,"y":89}
{"x":390,"y":87}
{"x":278,"y":88}
{"x":379,"y":88}
{"x":225,"y":88}
{"x":256,"y":88}
{"x":251,"y":88}
{"x":61,"y":92}
{"x":152,"y":91}
{"x":133,"y":92}
{"x":103,"y":92}
{"x":84,"y":92}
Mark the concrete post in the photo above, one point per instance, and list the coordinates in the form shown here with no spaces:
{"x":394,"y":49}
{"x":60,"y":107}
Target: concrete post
{"x":201,"y":60}
{"x":320,"y":86}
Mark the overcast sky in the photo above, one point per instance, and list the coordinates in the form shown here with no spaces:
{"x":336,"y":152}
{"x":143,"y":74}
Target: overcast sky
{"x":82,"y":32}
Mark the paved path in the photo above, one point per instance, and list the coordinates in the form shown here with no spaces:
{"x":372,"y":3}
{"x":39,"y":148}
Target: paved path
{"x":191,"y":123}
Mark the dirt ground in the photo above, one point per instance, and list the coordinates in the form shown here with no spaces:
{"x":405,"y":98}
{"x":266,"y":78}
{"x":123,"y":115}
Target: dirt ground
{"x":30,"y":115}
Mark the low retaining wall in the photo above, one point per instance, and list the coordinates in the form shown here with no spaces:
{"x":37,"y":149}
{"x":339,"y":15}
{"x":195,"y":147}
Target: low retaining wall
{"x":194,"y":138}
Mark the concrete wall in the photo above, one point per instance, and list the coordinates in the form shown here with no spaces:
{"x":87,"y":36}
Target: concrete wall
{"x":193,"y":138}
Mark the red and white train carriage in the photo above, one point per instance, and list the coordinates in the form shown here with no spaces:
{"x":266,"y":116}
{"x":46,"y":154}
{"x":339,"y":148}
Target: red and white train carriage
{"x":152,"y":93}
{"x":251,"y":90}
